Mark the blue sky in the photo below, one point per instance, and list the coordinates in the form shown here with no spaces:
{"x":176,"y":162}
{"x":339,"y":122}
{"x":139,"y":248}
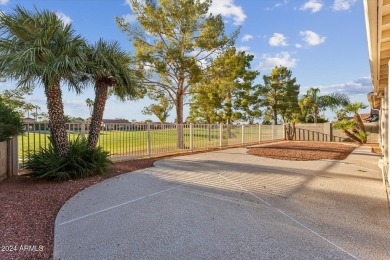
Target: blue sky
{"x":323,"y":42}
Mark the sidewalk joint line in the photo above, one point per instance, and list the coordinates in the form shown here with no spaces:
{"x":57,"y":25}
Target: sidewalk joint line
{"x":119,"y":205}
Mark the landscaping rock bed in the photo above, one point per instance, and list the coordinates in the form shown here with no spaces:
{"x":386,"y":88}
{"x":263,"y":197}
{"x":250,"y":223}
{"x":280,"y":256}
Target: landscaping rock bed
{"x":303,"y":151}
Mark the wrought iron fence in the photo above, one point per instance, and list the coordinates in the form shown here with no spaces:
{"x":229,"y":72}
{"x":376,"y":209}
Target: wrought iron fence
{"x":132,"y":140}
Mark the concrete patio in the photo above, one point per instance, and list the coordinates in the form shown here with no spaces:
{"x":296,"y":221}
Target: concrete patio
{"x":231,"y":205}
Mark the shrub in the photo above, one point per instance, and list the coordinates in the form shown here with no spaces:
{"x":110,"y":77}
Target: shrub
{"x":81,"y":161}
{"x":10,"y":123}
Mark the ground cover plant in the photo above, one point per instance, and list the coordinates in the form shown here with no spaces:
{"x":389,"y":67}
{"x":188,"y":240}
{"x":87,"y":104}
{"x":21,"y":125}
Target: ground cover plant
{"x":80,"y":161}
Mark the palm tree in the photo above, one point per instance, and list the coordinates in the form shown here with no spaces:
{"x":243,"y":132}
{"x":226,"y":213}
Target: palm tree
{"x":349,"y":128}
{"x":311,"y":100}
{"x":27,"y":108}
{"x":291,"y":132}
{"x":89,"y":103}
{"x":314,"y":103}
{"x":110,"y":69}
{"x":353,"y":128}
{"x":37,"y":47}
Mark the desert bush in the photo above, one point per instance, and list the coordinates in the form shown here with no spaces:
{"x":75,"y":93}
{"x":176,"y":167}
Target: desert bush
{"x":81,"y":161}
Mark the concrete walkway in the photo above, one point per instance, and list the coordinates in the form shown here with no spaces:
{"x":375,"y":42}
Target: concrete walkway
{"x":231,"y":205}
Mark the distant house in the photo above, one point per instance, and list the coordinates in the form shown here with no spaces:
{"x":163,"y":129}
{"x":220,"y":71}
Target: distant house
{"x":114,"y":124}
{"x":115,"y":121}
{"x":373,"y":116}
{"x":364,"y":116}
{"x":29,"y":120}
{"x":29,"y":124}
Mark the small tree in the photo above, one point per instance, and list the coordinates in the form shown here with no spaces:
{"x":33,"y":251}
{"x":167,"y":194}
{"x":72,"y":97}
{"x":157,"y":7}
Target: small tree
{"x":15,"y":99}
{"x":291,"y":131}
{"x":161,"y":110}
{"x":10,"y":123}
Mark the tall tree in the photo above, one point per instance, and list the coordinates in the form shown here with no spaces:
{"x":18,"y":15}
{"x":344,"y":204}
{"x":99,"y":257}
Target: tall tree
{"x":160,"y":110}
{"x":110,"y":69}
{"x":279,"y":94}
{"x":174,"y":41}
{"x":312,"y":103}
{"x":37,"y":47}
{"x":225,"y":94}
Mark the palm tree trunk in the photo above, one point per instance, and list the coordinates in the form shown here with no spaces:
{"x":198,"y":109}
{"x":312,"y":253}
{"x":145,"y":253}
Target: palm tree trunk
{"x":97,"y":115}
{"x":352,"y":136}
{"x":55,"y":109}
{"x":359,"y":122}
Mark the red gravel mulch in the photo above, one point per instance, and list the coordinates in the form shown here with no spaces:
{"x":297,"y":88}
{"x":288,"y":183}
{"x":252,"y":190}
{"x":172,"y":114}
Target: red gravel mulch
{"x":303,"y":151}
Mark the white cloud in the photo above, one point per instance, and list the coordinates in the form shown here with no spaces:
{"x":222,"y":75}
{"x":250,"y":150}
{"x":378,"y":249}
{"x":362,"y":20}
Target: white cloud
{"x":280,"y":59}
{"x":277,"y":5}
{"x":4,"y":2}
{"x":343,"y":5}
{"x":360,"y":86}
{"x":278,"y":39}
{"x":246,"y":38}
{"x":64,"y":18}
{"x":313,"y":5}
{"x":311,"y":38}
{"x":129,"y":18}
{"x":298,"y":46}
{"x":227,"y":8}
{"x":243,"y":48}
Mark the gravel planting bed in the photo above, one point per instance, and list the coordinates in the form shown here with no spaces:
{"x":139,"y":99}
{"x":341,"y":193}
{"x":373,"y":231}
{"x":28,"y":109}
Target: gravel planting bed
{"x":303,"y":151}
